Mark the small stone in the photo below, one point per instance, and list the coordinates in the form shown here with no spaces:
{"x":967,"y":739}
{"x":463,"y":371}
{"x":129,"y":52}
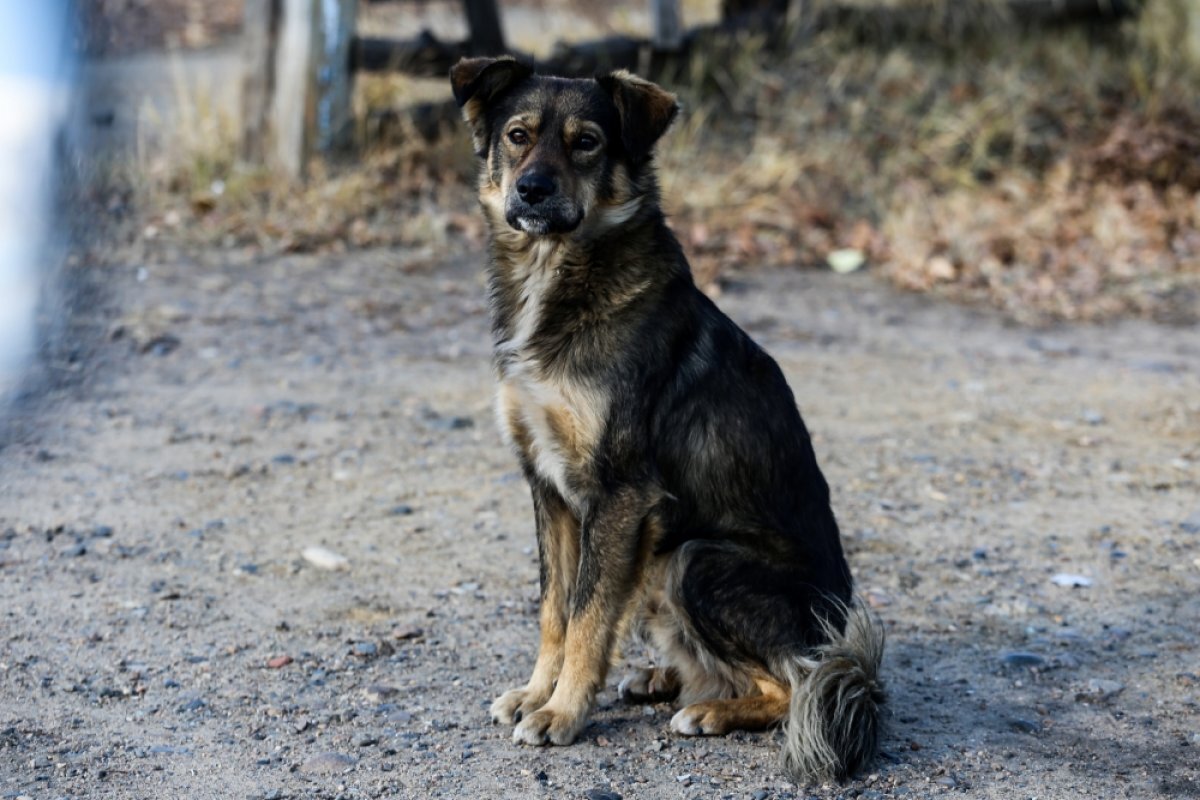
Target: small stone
{"x":402,"y":510}
{"x":193,"y":705}
{"x":102,"y":532}
{"x":1191,"y":524}
{"x":845,"y":260}
{"x":284,"y":459}
{"x":75,"y":551}
{"x":600,"y":793}
{"x":279,"y":662}
{"x":324,"y":558}
{"x":379,"y":691}
{"x":1018,"y":658}
{"x":877,"y":598}
{"x":1024,"y":726}
{"x":946,"y":780}
{"x":1069,"y":580}
{"x":1099,"y":690}
{"x":761,"y":794}
{"x":368,"y":741}
{"x":405,"y":632}
{"x":1092,"y":417}
{"x":327,"y":763}
{"x":365,"y":649}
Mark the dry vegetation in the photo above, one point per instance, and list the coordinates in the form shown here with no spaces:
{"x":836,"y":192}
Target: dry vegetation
{"x":1055,"y":174}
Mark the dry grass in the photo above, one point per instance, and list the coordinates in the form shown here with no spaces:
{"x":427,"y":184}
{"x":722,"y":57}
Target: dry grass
{"x":1053,"y":175}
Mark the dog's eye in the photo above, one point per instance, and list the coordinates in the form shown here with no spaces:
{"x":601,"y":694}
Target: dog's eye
{"x":587,"y":143}
{"x":518,"y":136}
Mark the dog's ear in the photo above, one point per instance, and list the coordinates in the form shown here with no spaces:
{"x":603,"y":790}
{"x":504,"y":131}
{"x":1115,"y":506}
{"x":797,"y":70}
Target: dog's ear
{"x":479,"y":81}
{"x":646,"y":111}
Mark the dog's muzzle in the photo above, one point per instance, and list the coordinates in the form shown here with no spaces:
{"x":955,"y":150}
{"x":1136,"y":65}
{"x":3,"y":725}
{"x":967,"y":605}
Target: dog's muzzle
{"x":536,"y":207}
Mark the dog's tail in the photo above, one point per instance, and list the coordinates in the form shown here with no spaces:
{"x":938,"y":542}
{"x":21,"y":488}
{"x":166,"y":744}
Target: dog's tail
{"x":835,"y":721}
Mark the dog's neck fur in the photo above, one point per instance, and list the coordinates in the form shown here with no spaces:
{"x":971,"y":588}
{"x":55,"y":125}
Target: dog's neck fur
{"x":548,"y":292}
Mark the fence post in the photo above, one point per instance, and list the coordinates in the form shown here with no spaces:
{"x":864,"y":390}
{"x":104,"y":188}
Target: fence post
{"x":259,"y":36}
{"x":298,"y":83}
{"x":668,"y":26}
{"x":483,"y":20}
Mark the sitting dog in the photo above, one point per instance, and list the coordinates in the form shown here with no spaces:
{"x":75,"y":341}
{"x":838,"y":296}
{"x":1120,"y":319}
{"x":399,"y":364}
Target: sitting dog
{"x":675,"y":488}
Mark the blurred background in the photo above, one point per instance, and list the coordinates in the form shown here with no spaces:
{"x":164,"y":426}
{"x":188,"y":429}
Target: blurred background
{"x":1039,"y":156}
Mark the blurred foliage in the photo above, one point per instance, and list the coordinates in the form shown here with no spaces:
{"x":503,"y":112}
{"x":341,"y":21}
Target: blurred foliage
{"x":1053,"y":173}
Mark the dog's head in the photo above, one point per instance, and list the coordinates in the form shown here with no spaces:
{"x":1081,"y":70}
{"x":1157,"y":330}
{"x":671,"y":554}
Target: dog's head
{"x":560,"y":155}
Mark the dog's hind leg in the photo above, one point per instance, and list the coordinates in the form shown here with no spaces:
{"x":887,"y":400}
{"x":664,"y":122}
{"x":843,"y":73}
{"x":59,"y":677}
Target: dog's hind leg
{"x":812,"y":656}
{"x":746,"y":713}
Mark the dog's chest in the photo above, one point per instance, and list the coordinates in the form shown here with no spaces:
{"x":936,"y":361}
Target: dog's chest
{"x":554,"y":420}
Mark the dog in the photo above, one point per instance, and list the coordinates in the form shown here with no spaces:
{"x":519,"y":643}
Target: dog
{"x":675,"y":490}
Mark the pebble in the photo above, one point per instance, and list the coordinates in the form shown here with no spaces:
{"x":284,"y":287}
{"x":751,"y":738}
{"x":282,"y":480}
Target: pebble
{"x":379,"y":691}
{"x":75,"y":551}
{"x":1024,"y":725}
{"x":365,"y":649}
{"x":761,"y":794}
{"x":1191,"y":524}
{"x":456,"y":423}
{"x":1018,"y":658}
{"x":600,"y":793}
{"x":327,"y":763}
{"x":1067,"y":579}
{"x":401,"y":510}
{"x":324,"y":558}
{"x":102,"y":532}
{"x":407,"y":632}
{"x":279,"y":662}
{"x":1099,"y":690}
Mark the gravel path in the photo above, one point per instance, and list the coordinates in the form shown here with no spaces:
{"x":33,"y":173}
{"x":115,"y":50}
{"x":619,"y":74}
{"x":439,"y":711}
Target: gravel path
{"x":164,"y":635}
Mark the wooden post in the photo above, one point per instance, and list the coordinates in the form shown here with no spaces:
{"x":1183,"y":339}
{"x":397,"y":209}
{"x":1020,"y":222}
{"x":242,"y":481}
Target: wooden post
{"x":1193,"y":33}
{"x":668,"y":25}
{"x":259,"y":36}
{"x":298,"y":84}
{"x":483,"y":20}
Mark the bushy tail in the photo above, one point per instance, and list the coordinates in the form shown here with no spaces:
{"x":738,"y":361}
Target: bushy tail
{"x":834,"y":724}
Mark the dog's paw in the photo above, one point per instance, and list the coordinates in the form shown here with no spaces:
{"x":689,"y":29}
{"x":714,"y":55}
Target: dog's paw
{"x":549,"y":726}
{"x":655,"y":685}
{"x":515,"y":704}
{"x":699,"y":719}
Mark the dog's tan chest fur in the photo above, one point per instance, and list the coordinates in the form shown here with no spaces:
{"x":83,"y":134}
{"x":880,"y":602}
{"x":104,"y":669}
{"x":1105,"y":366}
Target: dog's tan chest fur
{"x":554,"y":420}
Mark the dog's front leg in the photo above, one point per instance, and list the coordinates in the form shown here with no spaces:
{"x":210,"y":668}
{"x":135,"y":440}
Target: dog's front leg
{"x":611,"y":552}
{"x":558,"y":560}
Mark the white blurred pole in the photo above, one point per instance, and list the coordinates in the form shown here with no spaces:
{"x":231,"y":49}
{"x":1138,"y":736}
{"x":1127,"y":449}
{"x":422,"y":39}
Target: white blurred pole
{"x":35,"y":91}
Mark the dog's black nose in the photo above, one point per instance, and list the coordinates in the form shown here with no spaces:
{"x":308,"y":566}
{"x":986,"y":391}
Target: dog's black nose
{"x":534,"y":187}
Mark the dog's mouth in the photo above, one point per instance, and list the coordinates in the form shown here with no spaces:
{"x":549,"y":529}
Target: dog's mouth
{"x":558,"y":219}
{"x":534,"y":226}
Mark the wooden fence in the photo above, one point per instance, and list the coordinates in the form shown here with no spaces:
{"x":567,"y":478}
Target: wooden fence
{"x":301,"y":55}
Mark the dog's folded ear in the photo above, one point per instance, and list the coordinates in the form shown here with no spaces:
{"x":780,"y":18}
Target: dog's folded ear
{"x":477,"y":82}
{"x":646,"y":111}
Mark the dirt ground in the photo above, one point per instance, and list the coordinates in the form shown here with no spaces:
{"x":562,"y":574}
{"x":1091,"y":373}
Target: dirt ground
{"x":154,"y":512}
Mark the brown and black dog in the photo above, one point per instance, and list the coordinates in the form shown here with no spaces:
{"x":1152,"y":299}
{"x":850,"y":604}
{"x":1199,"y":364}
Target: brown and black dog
{"x":674,"y":484}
